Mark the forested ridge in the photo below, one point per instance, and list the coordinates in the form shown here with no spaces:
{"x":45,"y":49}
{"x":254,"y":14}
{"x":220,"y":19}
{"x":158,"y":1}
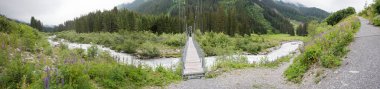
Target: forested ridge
{"x":226,"y":16}
{"x":116,"y":20}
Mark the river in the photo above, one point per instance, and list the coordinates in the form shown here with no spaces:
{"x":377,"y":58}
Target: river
{"x":281,"y":51}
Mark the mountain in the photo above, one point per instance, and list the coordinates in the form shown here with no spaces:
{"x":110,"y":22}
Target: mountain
{"x":233,"y":16}
{"x":297,"y":12}
{"x":135,"y":4}
{"x":171,"y":16}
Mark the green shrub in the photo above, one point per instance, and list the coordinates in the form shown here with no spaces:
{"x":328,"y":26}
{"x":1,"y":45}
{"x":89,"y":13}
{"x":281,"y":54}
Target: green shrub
{"x":330,"y":61}
{"x":376,"y":20}
{"x":336,"y":17}
{"x":14,"y":71}
{"x":75,"y":76}
{"x":129,"y":46}
{"x":92,"y":52}
{"x":175,"y":40}
{"x":108,"y":75}
{"x":311,"y":54}
{"x":5,"y":25}
{"x":376,"y":6}
{"x":294,"y":72}
{"x":148,"y":50}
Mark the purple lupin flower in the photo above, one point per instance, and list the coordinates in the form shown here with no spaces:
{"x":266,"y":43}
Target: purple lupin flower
{"x":46,"y":82}
{"x":47,"y":78}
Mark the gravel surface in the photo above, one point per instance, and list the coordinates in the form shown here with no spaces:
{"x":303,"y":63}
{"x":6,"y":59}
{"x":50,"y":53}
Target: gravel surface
{"x":360,"y":69}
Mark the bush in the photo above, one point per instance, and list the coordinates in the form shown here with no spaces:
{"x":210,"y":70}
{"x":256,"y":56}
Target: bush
{"x":336,"y":17}
{"x":376,"y":20}
{"x":92,"y":52}
{"x":5,"y":25}
{"x":175,"y":40}
{"x":75,"y":76}
{"x":108,"y":75}
{"x":14,"y":71}
{"x":148,"y":50}
{"x":330,"y":61}
{"x":295,"y":72}
{"x":376,"y":6}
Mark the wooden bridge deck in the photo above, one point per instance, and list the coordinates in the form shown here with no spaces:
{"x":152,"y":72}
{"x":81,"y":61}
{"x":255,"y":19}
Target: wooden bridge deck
{"x":192,"y":61}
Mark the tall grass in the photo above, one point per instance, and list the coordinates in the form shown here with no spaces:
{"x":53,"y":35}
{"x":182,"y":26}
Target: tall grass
{"x":228,"y":63}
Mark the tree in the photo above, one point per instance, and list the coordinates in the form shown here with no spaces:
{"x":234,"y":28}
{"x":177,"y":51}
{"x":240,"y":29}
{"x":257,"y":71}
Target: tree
{"x":37,"y":24}
{"x":340,"y":15}
{"x":302,"y":29}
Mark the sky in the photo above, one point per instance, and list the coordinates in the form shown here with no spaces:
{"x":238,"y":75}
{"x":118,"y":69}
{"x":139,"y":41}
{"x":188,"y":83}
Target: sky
{"x":54,"y":12}
{"x":333,"y":5}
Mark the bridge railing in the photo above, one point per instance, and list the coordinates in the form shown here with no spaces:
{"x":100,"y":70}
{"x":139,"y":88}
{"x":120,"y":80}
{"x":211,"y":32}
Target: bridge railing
{"x":184,"y":52}
{"x":200,"y":52}
{"x":197,"y":47}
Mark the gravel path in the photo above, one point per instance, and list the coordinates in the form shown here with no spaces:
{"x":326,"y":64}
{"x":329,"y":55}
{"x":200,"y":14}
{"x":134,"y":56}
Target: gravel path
{"x":360,"y":69}
{"x":262,"y":78}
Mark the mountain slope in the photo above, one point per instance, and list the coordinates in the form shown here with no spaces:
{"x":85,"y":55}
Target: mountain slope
{"x":290,"y":10}
{"x":234,"y":16}
{"x":299,"y":12}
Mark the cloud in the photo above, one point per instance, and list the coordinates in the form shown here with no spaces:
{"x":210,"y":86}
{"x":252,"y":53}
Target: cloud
{"x":53,"y":12}
{"x":332,"y":5}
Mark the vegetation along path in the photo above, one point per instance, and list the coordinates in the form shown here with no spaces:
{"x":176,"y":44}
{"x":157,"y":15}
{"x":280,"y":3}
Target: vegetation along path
{"x":361,"y":66}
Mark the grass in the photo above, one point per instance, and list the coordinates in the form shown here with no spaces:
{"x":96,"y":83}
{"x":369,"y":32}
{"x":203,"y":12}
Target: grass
{"x":326,"y":48}
{"x":274,"y":64}
{"x":228,"y":63}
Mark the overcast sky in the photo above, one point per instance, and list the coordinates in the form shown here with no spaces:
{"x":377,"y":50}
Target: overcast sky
{"x":53,"y":12}
{"x":333,"y":5}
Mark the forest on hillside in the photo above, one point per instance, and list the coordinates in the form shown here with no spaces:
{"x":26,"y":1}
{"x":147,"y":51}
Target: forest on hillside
{"x":225,"y":16}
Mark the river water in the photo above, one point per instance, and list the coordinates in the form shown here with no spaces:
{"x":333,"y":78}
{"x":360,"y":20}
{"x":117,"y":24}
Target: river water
{"x":284,"y":50}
